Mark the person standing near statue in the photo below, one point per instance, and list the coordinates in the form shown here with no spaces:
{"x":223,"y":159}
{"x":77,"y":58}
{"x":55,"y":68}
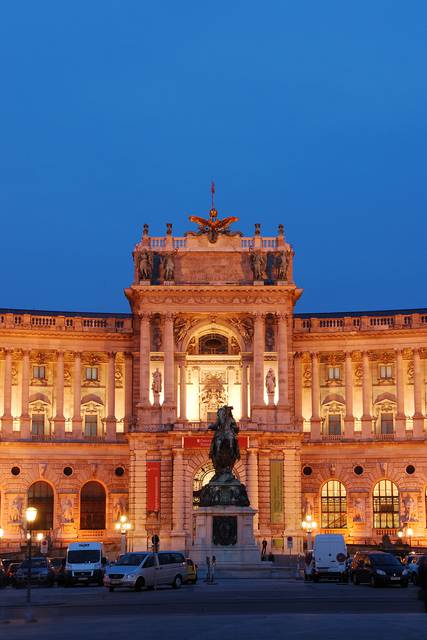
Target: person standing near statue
{"x":263,"y":549}
{"x":208,"y":570}
{"x":213,"y":566}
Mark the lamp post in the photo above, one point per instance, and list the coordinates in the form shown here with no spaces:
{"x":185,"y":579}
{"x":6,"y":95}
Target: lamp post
{"x":123,"y":525}
{"x":30,"y":517}
{"x":308,"y":524}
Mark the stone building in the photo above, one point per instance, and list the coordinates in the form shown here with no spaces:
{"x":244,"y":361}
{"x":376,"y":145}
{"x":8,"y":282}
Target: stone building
{"x":107,"y":414}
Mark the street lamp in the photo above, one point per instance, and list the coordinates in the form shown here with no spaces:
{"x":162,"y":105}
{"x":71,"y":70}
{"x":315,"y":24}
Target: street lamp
{"x":409,"y":533}
{"x":400,"y":534}
{"x":308,"y":524}
{"x":123,"y":525}
{"x":30,"y":517}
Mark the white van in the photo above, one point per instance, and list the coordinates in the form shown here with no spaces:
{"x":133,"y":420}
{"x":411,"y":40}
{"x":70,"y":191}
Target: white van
{"x":84,"y":563}
{"x":137,"y":570}
{"x":328,"y":558}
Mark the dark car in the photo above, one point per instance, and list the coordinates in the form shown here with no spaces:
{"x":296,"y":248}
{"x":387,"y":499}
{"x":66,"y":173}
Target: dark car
{"x":3,"y":577}
{"x":41,"y":573}
{"x":422,"y":580}
{"x":378,"y":569}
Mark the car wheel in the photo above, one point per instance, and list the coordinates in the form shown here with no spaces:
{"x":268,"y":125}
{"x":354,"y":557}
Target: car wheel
{"x":111,"y":589}
{"x":355,"y":579}
{"x":139,"y":584}
{"x":177,"y":582}
{"x":404,"y":584}
{"x":373,"y":582}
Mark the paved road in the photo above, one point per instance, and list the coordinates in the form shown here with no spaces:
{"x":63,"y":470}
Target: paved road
{"x":240,"y":608}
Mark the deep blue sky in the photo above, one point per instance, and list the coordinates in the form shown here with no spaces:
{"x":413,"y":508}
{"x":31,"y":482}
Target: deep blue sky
{"x":310,"y":113}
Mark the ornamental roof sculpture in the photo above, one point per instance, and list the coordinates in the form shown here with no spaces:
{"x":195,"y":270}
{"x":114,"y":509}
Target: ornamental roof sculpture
{"x":211,"y":226}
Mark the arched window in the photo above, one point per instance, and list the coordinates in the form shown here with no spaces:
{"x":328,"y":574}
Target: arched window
{"x":213,"y":343}
{"x":334,"y":505}
{"x":40,"y":496}
{"x":386,"y":505}
{"x":92,"y":506}
{"x":201,"y":478}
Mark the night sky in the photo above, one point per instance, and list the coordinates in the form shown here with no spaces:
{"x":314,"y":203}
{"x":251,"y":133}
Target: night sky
{"x":309,"y":113}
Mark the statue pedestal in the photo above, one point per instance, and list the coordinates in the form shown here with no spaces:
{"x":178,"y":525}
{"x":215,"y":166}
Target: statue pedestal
{"x":225,"y":532}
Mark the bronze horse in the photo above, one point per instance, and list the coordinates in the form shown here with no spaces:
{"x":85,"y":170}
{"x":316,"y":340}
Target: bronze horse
{"x":224,"y":450}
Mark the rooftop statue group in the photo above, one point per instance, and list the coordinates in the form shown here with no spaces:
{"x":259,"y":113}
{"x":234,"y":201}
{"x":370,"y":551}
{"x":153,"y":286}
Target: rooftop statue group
{"x":281,"y":262}
{"x":224,"y":488}
{"x":146,"y":262}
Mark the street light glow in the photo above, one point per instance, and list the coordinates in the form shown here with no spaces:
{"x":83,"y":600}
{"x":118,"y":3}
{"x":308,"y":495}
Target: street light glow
{"x":30,"y":514}
{"x":1,"y":533}
{"x":39,"y":537}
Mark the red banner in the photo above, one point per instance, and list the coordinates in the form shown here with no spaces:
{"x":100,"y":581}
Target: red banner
{"x":204,"y":442}
{"x":153,"y":486}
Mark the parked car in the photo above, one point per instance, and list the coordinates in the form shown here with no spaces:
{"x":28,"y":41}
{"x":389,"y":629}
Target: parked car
{"x":42,"y":573}
{"x":378,"y":569}
{"x":191,"y":572}
{"x":3,"y":576}
{"x":328,"y":558}
{"x":11,"y":570}
{"x":138,"y":570}
{"x":412,"y":562}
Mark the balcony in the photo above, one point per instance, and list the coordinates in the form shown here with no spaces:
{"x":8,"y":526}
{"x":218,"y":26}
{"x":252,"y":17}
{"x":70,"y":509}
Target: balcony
{"x":360,"y":322}
{"x":62,"y":321}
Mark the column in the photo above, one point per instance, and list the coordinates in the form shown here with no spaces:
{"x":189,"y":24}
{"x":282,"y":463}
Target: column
{"x":178,"y":493}
{"x":292,"y":496}
{"x":315,"y":397}
{"x":259,"y":340}
{"x":244,"y":390}
{"x":418,"y":396}
{"x":349,"y":418}
{"x":252,"y":483}
{"x":144,"y":359}
{"x":25,"y":395}
{"x":77,"y":395}
{"x":128,"y":389}
{"x":169,"y":357}
{"x":138,"y":496}
{"x":400,"y":394}
{"x":183,"y":391}
{"x":111,"y":397}
{"x":282,"y":355}
{"x":7,"y":421}
{"x":59,"y":421}
{"x":298,"y":389}
{"x":366,"y":396}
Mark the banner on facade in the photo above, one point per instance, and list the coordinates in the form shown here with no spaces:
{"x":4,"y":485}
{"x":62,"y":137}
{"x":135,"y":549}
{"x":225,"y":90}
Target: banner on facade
{"x":204,"y":442}
{"x":276,"y":491}
{"x":153,"y":486}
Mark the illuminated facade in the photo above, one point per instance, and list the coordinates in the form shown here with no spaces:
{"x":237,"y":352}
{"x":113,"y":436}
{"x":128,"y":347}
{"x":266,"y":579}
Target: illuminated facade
{"x":106,"y":414}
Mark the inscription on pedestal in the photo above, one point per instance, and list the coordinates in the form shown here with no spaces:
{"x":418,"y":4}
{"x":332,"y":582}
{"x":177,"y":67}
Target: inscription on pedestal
{"x":224,"y":530}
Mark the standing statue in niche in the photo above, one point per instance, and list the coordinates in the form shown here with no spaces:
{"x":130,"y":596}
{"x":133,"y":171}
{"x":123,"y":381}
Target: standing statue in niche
{"x":16,"y":509}
{"x":168,"y":264}
{"x":145,"y":264}
{"x":270,"y":385}
{"x":282,"y":264}
{"x":67,"y":510}
{"x":258,"y":264}
{"x":409,"y":509}
{"x":156,"y":385}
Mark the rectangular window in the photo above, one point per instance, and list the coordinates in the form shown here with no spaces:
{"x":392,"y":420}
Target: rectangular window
{"x":386,"y":371}
{"x":91,"y":373}
{"x":334,"y":373}
{"x":39,"y":372}
{"x":91,"y":426}
{"x":334,"y":424}
{"x":386,"y":423}
{"x":37,"y":424}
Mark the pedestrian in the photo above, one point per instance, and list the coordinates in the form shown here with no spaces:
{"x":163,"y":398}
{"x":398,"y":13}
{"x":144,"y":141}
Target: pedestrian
{"x":208,"y":569}
{"x":213,"y":565}
{"x":263,"y":549}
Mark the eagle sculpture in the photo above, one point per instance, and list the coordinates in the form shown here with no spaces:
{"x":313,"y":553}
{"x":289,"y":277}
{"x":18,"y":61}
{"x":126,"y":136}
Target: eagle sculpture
{"x":211,"y":225}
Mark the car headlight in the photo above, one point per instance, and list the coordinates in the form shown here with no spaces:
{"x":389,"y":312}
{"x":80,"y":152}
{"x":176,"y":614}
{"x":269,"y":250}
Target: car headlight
{"x":380,"y":572}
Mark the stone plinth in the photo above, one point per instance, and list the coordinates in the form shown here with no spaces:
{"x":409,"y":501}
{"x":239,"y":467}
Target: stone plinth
{"x":242,"y":549}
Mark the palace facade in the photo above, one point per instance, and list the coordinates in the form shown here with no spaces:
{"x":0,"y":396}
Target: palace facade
{"x":107,"y":414}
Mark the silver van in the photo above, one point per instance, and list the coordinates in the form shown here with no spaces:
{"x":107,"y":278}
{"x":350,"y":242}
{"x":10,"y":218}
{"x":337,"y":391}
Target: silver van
{"x":139,"y":570}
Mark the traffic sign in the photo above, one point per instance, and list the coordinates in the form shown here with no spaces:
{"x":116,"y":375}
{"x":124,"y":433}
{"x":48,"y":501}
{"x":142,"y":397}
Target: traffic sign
{"x":290,"y":542}
{"x":44,"y":546}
